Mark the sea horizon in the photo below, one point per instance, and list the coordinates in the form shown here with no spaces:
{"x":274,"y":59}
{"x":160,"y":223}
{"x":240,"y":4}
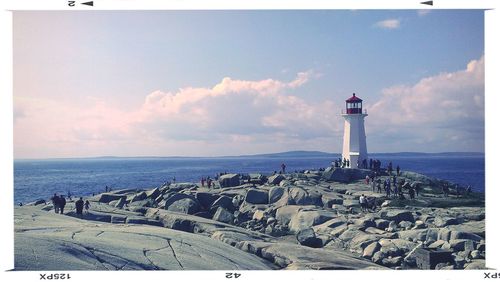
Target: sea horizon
{"x":295,"y":153}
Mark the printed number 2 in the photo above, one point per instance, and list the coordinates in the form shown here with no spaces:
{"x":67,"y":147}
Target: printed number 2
{"x":71,"y":3}
{"x":232,"y":275}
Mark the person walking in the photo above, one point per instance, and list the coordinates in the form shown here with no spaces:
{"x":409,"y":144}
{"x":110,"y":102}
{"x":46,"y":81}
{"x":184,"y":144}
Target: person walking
{"x":411,"y":192}
{"x":87,"y":206}
{"x":62,"y":204}
{"x":55,"y":202}
{"x":79,"y":207}
{"x":209,"y":182}
{"x":379,"y":185}
{"x":362,"y":202}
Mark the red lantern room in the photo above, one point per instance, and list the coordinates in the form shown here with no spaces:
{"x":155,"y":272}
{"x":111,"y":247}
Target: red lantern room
{"x":354,"y":105}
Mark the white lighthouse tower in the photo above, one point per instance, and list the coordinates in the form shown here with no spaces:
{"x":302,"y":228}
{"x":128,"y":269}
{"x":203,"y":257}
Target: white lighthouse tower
{"x":354,"y":148}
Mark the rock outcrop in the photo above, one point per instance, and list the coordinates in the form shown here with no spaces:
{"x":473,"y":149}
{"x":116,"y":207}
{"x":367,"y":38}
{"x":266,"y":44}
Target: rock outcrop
{"x":303,"y":220}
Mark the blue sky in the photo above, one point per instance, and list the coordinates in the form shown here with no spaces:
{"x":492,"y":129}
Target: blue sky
{"x":145,"y":83}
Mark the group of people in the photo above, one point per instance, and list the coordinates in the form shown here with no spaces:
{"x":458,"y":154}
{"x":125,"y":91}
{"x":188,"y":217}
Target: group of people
{"x":458,"y":191}
{"x":208,"y":181}
{"x":79,"y":205}
{"x":343,"y":163}
{"x":392,"y":188}
{"x":366,"y":203}
{"x":59,"y":202}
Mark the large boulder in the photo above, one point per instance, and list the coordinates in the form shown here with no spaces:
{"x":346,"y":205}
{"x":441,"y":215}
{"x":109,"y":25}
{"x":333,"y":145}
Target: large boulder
{"x":370,"y":250}
{"x":139,"y":197}
{"x":331,"y":199}
{"x":397,"y":215}
{"x":186,"y":205}
{"x":255,"y":196}
{"x":229,"y":180}
{"x":476,"y":227}
{"x":413,"y":235}
{"x":120,"y":203}
{"x":454,"y":235}
{"x":307,"y":219}
{"x":176,"y":197}
{"x":285,"y":214}
{"x":106,"y":197}
{"x":223,"y":215}
{"x":153,"y":194}
{"x":257,"y":178}
{"x":445,"y":221}
{"x":225,"y":202}
{"x":275,"y":179}
{"x":275,"y":193}
{"x":307,"y":237}
{"x":301,"y":196}
{"x":344,"y":175}
{"x":206,"y":199}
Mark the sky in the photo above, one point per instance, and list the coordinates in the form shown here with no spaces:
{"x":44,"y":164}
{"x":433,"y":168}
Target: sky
{"x":219,"y":83}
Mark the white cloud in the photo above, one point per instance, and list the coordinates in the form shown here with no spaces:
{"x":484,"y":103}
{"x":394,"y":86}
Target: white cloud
{"x":232,"y":117}
{"x":444,"y":111}
{"x":236,"y":107}
{"x":388,"y":24}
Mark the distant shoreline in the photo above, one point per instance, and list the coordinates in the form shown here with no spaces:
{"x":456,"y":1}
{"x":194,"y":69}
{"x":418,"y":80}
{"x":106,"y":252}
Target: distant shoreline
{"x":289,"y":154}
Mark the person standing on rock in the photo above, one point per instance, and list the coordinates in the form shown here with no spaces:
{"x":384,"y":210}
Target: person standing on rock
{"x":411,"y":192}
{"x":387,"y":187}
{"x":55,"y":202}
{"x":283,"y":167}
{"x":62,"y":204}
{"x":367,"y":180}
{"x":203,"y":182}
{"x":373,"y":185}
{"x":362,"y":202}
{"x":396,"y":190}
{"x":209,"y":182}
{"x":398,"y":170}
{"x":379,"y":185}
{"x":87,"y":206}
{"x":79,"y":207}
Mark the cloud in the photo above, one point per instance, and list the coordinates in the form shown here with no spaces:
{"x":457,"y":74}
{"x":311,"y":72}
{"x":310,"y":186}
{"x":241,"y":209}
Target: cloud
{"x":388,"y":24}
{"x":445,"y":111}
{"x":240,"y":115}
{"x":235,"y":107}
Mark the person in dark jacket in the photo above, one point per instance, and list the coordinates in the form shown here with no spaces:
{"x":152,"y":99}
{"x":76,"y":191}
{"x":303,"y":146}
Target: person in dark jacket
{"x":62,"y":203}
{"x":79,"y":207}
{"x":55,"y":202}
{"x":87,"y":206}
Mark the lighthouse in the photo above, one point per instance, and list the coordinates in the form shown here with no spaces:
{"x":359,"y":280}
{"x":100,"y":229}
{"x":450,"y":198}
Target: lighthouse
{"x":354,"y":148}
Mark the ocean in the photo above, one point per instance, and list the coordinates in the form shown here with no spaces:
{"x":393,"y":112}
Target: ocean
{"x":40,"y":179}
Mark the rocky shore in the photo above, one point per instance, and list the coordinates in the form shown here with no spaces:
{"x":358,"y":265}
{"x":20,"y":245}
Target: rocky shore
{"x":308,"y":220}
